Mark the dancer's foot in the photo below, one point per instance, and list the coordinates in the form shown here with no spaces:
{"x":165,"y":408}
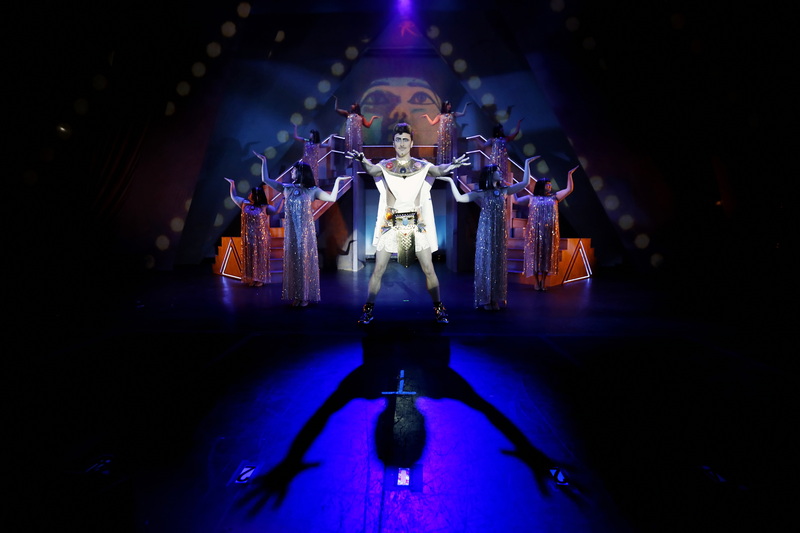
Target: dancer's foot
{"x":441,"y":313}
{"x":366,"y":314}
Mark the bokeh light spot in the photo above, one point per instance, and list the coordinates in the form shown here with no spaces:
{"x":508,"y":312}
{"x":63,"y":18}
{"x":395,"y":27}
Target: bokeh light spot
{"x":219,"y":220}
{"x":474,"y":82}
{"x":557,"y":5}
{"x":176,"y":224}
{"x":198,"y":69}
{"x":310,"y":103}
{"x":351,"y":53}
{"x":337,"y":69}
{"x":162,"y":242}
{"x":228,"y":29}
{"x":433,"y":32}
{"x":460,"y":66}
{"x":324,"y":86}
{"x":572,"y":24}
{"x":657,"y":260}
{"x":243,"y":10}
{"x":529,"y":149}
{"x":611,"y":202}
{"x":280,"y":36}
{"x":597,"y":182}
{"x":626,"y":222}
{"x":187,"y":204}
{"x":642,"y":241}
{"x":213,"y":49}
{"x":487,"y":99}
{"x":169,"y":109}
{"x":296,"y":119}
{"x":446,"y":49}
{"x":542,"y":167}
{"x":64,"y":131}
{"x":282,"y":136}
{"x":183,"y":88}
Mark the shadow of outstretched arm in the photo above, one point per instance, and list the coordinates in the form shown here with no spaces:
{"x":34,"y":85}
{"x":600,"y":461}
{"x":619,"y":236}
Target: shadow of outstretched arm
{"x":537,"y":461}
{"x":273,"y":486}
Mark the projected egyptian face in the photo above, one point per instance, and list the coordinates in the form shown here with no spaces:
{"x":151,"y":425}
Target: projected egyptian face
{"x":400,"y":100}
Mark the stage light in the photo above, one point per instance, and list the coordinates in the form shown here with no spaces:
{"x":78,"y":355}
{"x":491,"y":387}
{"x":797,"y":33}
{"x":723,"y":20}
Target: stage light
{"x":404,"y":8}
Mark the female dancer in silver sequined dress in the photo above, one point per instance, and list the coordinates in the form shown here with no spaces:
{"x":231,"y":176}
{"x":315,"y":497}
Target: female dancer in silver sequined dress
{"x":256,"y":211}
{"x":300,"y":254}
{"x":542,"y":234}
{"x":447,"y":136}
{"x":353,"y":138}
{"x":311,"y":149}
{"x":491,"y":241}
{"x":497,"y":146}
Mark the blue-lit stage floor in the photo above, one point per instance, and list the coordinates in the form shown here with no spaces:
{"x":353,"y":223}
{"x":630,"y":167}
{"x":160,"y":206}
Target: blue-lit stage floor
{"x":187,"y":402}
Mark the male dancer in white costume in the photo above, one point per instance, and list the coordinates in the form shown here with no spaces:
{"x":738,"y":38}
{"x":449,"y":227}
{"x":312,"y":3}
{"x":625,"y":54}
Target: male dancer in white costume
{"x":405,"y":224}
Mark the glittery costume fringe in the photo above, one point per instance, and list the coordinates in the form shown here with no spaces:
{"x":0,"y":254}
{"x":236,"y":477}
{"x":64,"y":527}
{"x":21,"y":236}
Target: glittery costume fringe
{"x":446,"y":139}
{"x":300,"y":255}
{"x":255,"y":244}
{"x":499,"y":156}
{"x":352,"y":133}
{"x":491,"y":259}
{"x":542,"y":236}
{"x":311,"y":157}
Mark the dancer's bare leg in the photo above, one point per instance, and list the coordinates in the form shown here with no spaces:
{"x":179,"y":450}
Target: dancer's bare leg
{"x":431,"y":280}
{"x":381,"y":261}
{"x":432,"y":283}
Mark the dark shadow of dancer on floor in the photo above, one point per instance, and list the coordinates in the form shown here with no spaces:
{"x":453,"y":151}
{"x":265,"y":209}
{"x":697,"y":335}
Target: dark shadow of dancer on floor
{"x":400,"y":430}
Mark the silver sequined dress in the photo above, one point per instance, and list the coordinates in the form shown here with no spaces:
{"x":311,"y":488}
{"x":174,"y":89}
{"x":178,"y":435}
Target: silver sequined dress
{"x":542,"y":236}
{"x":255,"y":244}
{"x":499,"y":156}
{"x":353,"y":136}
{"x":446,"y":141}
{"x":311,"y":157}
{"x":300,"y":255}
{"x":491,"y":263}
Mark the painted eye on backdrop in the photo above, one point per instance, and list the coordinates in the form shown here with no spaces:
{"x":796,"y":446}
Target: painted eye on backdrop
{"x":421,"y":98}
{"x":380,"y":98}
